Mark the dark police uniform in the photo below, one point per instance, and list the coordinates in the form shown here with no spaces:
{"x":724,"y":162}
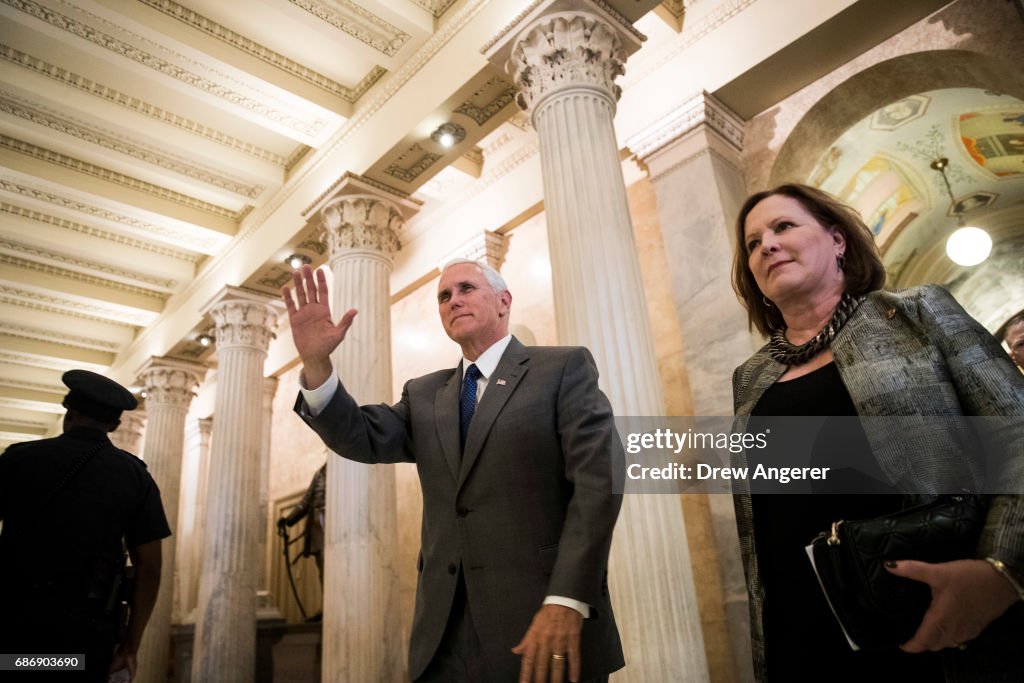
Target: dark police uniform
{"x":60,"y":554}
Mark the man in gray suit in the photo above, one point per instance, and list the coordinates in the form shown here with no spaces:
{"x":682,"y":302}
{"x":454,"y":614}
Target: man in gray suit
{"x":515,"y":450}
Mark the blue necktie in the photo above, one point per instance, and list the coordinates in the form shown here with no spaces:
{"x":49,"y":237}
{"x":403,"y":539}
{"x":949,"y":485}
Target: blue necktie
{"x":467,"y":406}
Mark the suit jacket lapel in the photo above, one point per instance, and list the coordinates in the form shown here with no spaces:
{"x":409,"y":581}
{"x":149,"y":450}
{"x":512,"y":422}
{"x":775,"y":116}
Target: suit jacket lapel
{"x":511,"y":368}
{"x":446,"y":415}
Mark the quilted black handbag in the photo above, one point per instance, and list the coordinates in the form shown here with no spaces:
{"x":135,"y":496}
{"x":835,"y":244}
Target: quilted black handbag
{"x":876,"y":609}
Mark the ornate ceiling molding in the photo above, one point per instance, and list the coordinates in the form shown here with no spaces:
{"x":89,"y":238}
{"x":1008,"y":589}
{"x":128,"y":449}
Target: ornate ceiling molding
{"x":420,"y":160}
{"x":15,"y":106}
{"x":36,"y":406}
{"x":435,"y":7}
{"x":81,"y":229}
{"x":37,"y":334}
{"x":81,"y":265}
{"x":207,"y":244}
{"x":265,"y":54}
{"x":109,"y":314}
{"x":492,"y":175}
{"x":31,"y":386}
{"x":42,"y":307}
{"x":66,"y":274}
{"x":275,"y":278}
{"x":32,"y":424}
{"x":116,"y":178}
{"x":499,"y":94}
{"x":364,"y":113}
{"x":50,"y":363}
{"x":357,"y":22}
{"x":197,"y":75}
{"x":136,"y":105}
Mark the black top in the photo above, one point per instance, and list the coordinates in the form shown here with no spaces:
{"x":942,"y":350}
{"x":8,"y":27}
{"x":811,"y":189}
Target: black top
{"x":803,"y":641}
{"x":75,"y":537}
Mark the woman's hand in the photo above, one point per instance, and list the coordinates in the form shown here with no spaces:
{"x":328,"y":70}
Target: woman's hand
{"x":967,"y":596}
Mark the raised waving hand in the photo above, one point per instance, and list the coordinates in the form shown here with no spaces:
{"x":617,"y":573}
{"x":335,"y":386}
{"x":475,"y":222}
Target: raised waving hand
{"x":314,"y":333}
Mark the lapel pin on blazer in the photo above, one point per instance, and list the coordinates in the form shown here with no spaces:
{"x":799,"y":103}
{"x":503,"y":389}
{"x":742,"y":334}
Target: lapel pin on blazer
{"x":501,"y":382}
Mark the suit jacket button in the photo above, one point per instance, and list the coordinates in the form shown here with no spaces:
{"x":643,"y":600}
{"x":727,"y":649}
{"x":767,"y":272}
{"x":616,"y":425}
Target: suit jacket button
{"x":890,"y":314}
{"x":452,"y":568}
{"x":461,"y":511}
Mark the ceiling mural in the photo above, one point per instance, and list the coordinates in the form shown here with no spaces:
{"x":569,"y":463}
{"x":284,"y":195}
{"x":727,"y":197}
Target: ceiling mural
{"x":882,"y":166}
{"x":892,"y":116}
{"x":884,"y":195}
{"x":995,"y":140}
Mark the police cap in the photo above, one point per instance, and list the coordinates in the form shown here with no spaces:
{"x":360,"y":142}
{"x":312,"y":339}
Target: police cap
{"x":96,"y":396}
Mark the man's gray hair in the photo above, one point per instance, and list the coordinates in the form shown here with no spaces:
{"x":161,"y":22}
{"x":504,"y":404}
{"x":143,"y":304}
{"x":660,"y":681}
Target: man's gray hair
{"x":494,"y":278}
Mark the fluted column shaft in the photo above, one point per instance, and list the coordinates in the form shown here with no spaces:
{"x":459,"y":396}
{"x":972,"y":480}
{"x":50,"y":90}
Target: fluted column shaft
{"x":692,"y":156}
{"x":195,"y":558}
{"x":361,"y":626}
{"x":269,"y":389}
{"x":565,"y":64}
{"x":225,"y":636}
{"x":169,"y":386}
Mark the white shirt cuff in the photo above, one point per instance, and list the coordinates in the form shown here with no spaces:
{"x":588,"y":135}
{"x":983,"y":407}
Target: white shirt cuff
{"x":581,"y":607}
{"x":317,"y":399}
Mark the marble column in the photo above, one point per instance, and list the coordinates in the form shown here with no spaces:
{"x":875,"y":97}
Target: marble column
{"x":225,"y":635}
{"x":564,"y":56}
{"x":488,"y":247}
{"x":195,"y":557}
{"x":170,"y":385}
{"x":128,"y":435}
{"x":362,"y":624}
{"x":269,"y":389}
{"x":692,"y":156}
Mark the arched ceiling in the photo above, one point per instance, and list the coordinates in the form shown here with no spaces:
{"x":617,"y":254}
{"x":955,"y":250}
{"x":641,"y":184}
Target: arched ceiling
{"x":881,"y":166}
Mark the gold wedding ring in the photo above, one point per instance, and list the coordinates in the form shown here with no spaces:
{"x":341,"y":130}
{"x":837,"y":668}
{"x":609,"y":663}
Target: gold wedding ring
{"x":557,"y":658}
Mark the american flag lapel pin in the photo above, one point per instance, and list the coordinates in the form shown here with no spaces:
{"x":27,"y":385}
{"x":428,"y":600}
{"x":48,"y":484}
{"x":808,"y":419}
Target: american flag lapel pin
{"x":501,"y":382}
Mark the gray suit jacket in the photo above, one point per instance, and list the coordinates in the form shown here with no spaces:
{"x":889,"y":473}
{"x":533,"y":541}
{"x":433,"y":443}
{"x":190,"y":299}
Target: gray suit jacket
{"x":904,"y":353}
{"x":527,"y":509}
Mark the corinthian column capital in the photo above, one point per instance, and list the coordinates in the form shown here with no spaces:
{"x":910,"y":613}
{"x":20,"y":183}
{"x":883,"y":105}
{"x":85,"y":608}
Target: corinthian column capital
{"x":357,"y":214}
{"x":566,"y":49}
{"x":361,"y":221}
{"x":128,"y":435}
{"x":243,"y":318}
{"x":168,"y":381}
{"x":488,"y":246}
{"x":564,"y":44}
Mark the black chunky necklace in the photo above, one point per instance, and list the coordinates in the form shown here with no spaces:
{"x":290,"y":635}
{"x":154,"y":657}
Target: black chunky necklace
{"x":781,"y":350}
